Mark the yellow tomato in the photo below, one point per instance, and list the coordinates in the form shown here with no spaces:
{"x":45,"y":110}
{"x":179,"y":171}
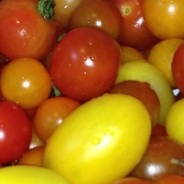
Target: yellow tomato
{"x":30,"y":175}
{"x":101,"y":141}
{"x":164,"y":18}
{"x":145,"y":72}
{"x":174,"y":121}
{"x":161,"y":56}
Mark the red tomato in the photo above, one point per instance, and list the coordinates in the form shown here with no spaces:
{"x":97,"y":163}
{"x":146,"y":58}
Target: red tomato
{"x":99,"y":13}
{"x":171,"y":179}
{"x":85,"y":63}
{"x":177,"y":67}
{"x":23,"y":32}
{"x":134,"y":31}
{"x":15,"y":132}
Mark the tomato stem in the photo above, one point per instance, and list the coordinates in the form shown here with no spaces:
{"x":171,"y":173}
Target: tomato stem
{"x":46,"y":8}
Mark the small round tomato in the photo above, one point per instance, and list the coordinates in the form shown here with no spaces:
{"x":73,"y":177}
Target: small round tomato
{"x":23,"y":32}
{"x":164,"y":18}
{"x":134,"y":31}
{"x":15,"y":132}
{"x":25,"y":81}
{"x":171,"y":179}
{"x":51,"y":113}
{"x":99,"y":13}
{"x":133,"y":180}
{"x":85,"y":63}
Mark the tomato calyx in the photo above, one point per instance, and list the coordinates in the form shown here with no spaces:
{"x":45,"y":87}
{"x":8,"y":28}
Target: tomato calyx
{"x":46,"y":8}
{"x":176,"y":161}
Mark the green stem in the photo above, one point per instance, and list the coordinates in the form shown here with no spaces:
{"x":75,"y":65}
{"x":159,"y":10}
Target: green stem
{"x":46,"y":8}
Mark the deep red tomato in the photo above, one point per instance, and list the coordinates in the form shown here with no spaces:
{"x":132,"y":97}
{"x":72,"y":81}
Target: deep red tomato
{"x":177,"y":67}
{"x":85,"y":63}
{"x":15,"y":132}
{"x":134,"y":31}
{"x":23,"y":32}
{"x":99,"y":13}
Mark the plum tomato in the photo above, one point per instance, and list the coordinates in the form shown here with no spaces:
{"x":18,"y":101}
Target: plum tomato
{"x":99,"y":13}
{"x":163,"y":156}
{"x":15,"y":132}
{"x":134,"y":31}
{"x":97,"y":137}
{"x":23,"y":32}
{"x":25,"y":81}
{"x":50,"y":114}
{"x":85,"y":63}
{"x":164,"y":18}
{"x":177,"y":67}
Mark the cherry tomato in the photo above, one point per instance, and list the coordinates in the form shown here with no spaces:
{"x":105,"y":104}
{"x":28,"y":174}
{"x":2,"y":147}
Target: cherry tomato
{"x":85,"y":63}
{"x":99,"y":13}
{"x":133,"y":180}
{"x":25,"y":81}
{"x":163,"y":156}
{"x":51,"y":113}
{"x":15,"y":132}
{"x":134,"y":31}
{"x":164,"y":18}
{"x":23,"y":32}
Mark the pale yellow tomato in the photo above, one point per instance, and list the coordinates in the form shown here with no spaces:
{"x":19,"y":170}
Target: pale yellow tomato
{"x":145,"y":72}
{"x":174,"y":121}
{"x":30,"y":175}
{"x":101,"y":141}
{"x":161,"y":56}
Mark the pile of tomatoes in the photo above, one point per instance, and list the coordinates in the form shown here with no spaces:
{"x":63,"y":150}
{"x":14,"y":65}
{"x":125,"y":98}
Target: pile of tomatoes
{"x":91,"y":91}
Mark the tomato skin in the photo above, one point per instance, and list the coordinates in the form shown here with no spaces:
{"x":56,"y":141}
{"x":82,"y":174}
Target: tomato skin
{"x":97,"y":137}
{"x":134,"y":32}
{"x":170,"y":179}
{"x":15,"y":132}
{"x":85,"y":63}
{"x":163,"y":18}
{"x":25,"y":81}
{"x":133,"y":180}
{"x":23,"y":32}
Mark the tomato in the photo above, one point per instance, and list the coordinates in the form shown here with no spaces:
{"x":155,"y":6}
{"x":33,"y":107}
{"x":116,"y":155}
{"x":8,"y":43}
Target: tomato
{"x":15,"y":132}
{"x":99,"y":135}
{"x":174,"y":121}
{"x":25,"y":81}
{"x":171,"y":179}
{"x":134,"y":31}
{"x":51,"y":113}
{"x":161,"y":55}
{"x":163,"y":156}
{"x":29,"y":175}
{"x":99,"y":13}
{"x":133,"y":180}
{"x":85,"y":63}
{"x":177,"y":67}
{"x":163,"y":18}
{"x":23,"y":32}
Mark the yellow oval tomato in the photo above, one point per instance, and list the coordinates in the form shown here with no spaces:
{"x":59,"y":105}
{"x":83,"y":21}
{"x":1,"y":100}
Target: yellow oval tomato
{"x":30,"y":175}
{"x":101,"y":141}
{"x":164,"y":17}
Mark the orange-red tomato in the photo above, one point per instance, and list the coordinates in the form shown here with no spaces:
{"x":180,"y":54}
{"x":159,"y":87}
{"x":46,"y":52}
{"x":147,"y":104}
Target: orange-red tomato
{"x":171,"y":179}
{"x":51,"y":113}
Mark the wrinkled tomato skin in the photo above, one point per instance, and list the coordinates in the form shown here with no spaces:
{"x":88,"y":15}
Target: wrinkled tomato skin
{"x":85,"y":63}
{"x":15,"y":132}
{"x":23,"y":32}
{"x":134,"y":31}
